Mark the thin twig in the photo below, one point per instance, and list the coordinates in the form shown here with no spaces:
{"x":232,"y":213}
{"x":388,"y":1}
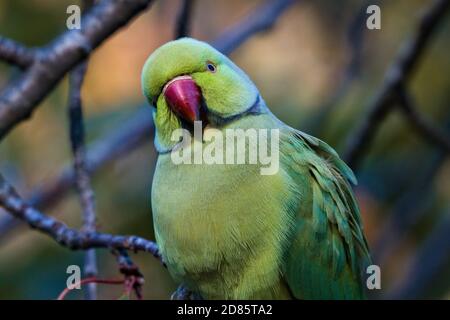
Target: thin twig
{"x":131,"y":271}
{"x":261,"y":19}
{"x":408,"y":210}
{"x":350,"y":73}
{"x":82,"y":178}
{"x":422,"y":125}
{"x":15,"y":53}
{"x":20,"y":98}
{"x":397,"y":75}
{"x":65,"y":236}
{"x":183,"y":23}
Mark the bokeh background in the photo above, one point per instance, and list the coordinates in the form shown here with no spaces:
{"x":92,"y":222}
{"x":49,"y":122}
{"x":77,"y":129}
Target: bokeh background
{"x":298,"y":67}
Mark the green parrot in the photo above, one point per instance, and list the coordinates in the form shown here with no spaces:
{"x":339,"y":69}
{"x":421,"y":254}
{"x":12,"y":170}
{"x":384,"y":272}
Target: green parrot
{"x":226,"y":231}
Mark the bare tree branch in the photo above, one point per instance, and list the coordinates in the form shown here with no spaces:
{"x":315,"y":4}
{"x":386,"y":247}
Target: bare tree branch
{"x":135,"y":131}
{"x":408,"y":210}
{"x":431,"y":257}
{"x":261,"y":19}
{"x":71,"y":238}
{"x":15,"y":53}
{"x":428,"y":130}
{"x":82,"y":179}
{"x":182,"y":26}
{"x":398,"y":74}
{"x":351,"y":72}
{"x":19,"y":99}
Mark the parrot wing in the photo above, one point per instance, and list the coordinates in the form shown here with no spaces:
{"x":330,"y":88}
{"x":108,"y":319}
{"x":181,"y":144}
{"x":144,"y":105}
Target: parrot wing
{"x":329,"y":250}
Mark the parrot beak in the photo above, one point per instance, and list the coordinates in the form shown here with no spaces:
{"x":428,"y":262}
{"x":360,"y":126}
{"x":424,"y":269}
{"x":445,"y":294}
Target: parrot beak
{"x":184,"y":98}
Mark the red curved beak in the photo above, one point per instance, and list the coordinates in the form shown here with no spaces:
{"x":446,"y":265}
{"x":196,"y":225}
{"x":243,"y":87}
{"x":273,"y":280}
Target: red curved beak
{"x":184,"y":97}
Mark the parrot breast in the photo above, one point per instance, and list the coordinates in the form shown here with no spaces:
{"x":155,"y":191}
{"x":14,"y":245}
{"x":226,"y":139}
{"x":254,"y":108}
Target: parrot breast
{"x":223,"y":229}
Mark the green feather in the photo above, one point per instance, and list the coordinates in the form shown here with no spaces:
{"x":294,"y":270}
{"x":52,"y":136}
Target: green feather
{"x":228,"y":232}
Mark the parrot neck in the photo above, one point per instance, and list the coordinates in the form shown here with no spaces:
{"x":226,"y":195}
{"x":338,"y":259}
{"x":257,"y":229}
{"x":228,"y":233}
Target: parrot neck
{"x":258,"y":107}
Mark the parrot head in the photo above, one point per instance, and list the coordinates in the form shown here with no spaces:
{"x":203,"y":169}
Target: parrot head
{"x":187,"y":80}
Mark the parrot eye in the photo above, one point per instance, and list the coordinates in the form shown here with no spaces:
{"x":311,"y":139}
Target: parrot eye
{"x":211,"y":67}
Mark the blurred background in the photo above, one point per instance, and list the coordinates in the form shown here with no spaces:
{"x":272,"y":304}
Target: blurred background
{"x":299,"y":66}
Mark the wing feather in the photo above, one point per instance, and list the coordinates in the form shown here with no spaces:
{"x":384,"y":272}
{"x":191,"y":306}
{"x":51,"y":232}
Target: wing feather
{"x":329,"y":249}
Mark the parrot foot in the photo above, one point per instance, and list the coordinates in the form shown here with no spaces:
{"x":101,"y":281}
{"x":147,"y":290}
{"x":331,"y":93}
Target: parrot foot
{"x":183,"y":293}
